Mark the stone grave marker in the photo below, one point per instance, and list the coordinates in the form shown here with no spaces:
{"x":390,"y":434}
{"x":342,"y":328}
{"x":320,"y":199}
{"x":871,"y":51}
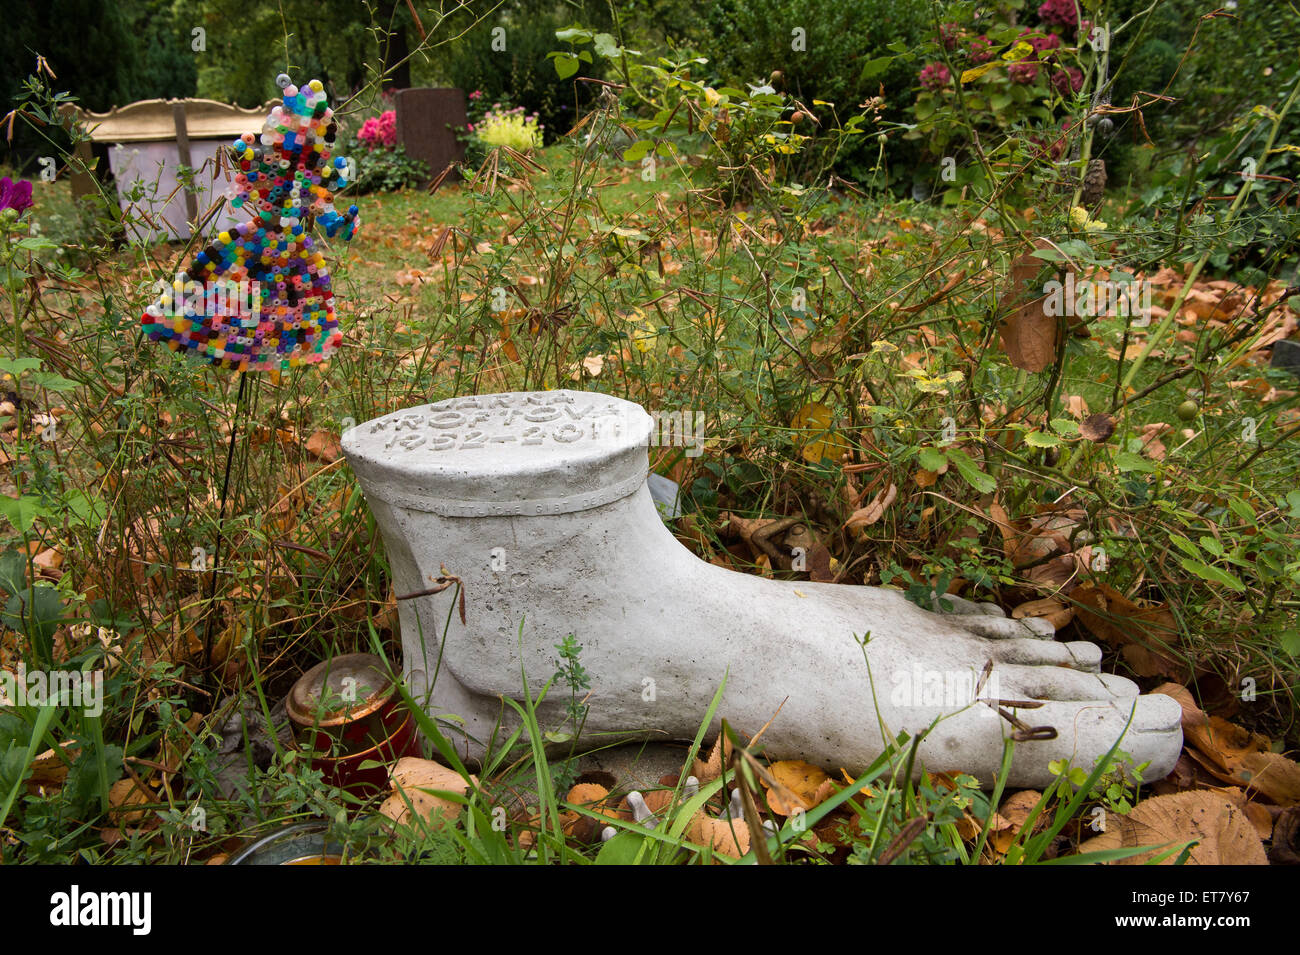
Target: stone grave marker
{"x":427,"y":120}
{"x":537,"y":505}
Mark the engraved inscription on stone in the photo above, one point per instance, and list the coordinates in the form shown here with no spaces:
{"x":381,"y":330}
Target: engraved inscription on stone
{"x":467,"y":424}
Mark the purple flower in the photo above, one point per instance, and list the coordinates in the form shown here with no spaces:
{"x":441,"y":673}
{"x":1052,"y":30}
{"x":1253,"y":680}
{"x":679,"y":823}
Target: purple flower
{"x":15,"y":195}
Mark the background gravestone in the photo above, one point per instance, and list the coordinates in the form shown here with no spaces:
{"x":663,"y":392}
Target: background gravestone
{"x":426,"y":125}
{"x":1286,"y":355}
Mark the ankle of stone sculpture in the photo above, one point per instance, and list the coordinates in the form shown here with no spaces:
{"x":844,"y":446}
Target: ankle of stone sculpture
{"x":537,"y":502}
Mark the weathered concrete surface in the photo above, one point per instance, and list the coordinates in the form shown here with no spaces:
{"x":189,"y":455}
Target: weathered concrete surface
{"x":538,"y":503}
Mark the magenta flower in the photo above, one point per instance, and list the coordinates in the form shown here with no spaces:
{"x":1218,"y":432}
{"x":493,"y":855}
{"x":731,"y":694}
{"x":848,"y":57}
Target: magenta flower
{"x":15,"y":195}
{"x":1067,"y":81}
{"x":949,"y":34}
{"x":935,"y":76}
{"x":379,"y":130}
{"x":1059,"y":12}
{"x":477,"y":94}
{"x":1042,"y":44}
{"x":981,"y":50}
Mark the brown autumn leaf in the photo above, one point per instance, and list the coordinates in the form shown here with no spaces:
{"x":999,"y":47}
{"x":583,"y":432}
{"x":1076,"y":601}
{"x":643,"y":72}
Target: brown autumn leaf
{"x":1152,"y":446}
{"x":406,"y":277}
{"x":48,"y":770}
{"x":1187,"y":774}
{"x":1029,"y":335}
{"x":124,"y":794}
{"x":1140,"y":633}
{"x":1258,"y":815}
{"x":1271,"y":775}
{"x":1051,"y":609}
{"x":1194,"y":717}
{"x":1220,"y":746}
{"x":325,"y":446}
{"x":819,"y":564}
{"x":1097,"y":427}
{"x":711,"y":768}
{"x":1285,"y":849}
{"x":999,"y":516}
{"x":728,"y":837}
{"x":581,"y":827}
{"x":874,"y":511}
{"x":1011,"y":817}
{"x":1075,"y":406}
{"x":48,"y":563}
{"x":800,"y":783}
{"x":1223,"y":833}
{"x":410,"y":777}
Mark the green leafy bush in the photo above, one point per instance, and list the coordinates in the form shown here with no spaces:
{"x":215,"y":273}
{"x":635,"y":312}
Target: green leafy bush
{"x":847,"y":55}
{"x":520,"y":73}
{"x":989,"y":78}
{"x":386,"y":168}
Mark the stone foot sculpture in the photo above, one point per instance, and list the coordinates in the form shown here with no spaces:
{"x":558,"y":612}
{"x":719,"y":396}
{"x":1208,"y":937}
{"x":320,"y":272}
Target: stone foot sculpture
{"x":538,"y":503}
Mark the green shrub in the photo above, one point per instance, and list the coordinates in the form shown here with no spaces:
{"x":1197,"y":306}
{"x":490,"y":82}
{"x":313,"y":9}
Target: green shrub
{"x":386,"y":168}
{"x":747,"y":40}
{"x":521,"y":73}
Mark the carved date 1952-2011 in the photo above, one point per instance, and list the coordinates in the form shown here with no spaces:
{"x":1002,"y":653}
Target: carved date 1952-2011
{"x":466,"y":424}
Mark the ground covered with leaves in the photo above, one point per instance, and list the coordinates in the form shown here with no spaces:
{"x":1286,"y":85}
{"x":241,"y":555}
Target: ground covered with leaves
{"x":888,"y":397}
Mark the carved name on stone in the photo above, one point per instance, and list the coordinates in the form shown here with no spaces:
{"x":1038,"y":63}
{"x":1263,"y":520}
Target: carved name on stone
{"x":468,"y":424}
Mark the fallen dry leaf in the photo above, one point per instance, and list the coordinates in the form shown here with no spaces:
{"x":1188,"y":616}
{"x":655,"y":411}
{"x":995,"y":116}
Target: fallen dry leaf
{"x":1029,"y":335}
{"x":585,"y":828}
{"x":324,"y":445}
{"x":726,"y":837}
{"x":818,"y":439}
{"x":710,"y":769}
{"x":800,"y":784}
{"x":48,"y":770}
{"x":1140,"y":633}
{"x":1152,"y":446}
{"x":1097,"y":427}
{"x":1271,"y":775}
{"x":126,"y":793}
{"x":410,"y":776}
{"x":1054,"y":611}
{"x":1224,"y":834}
{"x":1010,"y":818}
{"x":874,"y":511}
{"x":1259,"y":817}
{"x":1075,"y":406}
{"x":1285,"y":849}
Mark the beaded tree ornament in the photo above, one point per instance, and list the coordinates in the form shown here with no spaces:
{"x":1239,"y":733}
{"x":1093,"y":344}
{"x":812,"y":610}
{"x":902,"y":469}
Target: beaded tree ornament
{"x":258,"y":298}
